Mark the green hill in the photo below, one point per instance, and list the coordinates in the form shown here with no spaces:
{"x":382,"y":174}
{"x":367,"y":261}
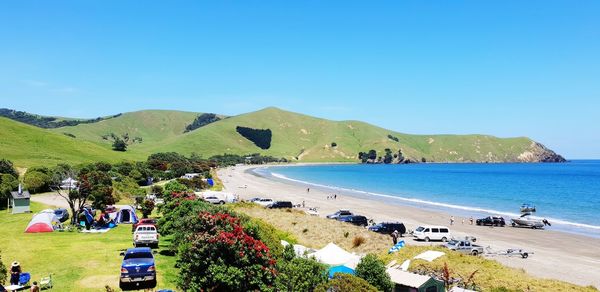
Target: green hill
{"x":27,"y":145}
{"x":295,"y":136}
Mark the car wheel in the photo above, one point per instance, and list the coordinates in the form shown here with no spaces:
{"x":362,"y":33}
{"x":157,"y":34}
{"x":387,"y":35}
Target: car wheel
{"x":124,"y":286}
{"x":426,"y":239}
{"x":222,"y":202}
{"x":524,"y":255}
{"x":152,"y":284}
{"x":444,"y":239}
{"x":474,"y":253}
{"x":514,"y":224}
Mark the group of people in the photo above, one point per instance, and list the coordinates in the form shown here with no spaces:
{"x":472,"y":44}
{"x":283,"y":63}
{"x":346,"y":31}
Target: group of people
{"x":463,"y":220}
{"x":15,"y":278}
{"x":332,"y":197}
{"x":104,"y":220}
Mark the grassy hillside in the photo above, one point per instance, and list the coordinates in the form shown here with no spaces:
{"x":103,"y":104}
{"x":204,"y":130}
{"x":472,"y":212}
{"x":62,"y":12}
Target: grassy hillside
{"x":294,"y":136}
{"x":309,"y":139}
{"x":27,"y":145}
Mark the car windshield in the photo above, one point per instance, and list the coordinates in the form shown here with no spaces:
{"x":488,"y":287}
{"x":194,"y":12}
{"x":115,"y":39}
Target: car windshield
{"x":453,"y":242}
{"x":138,"y":255}
{"x":420,"y":228}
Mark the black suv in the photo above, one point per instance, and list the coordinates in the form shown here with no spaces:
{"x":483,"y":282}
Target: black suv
{"x":491,"y":221}
{"x":357,"y":220}
{"x":389,"y":227}
{"x":280,"y":205}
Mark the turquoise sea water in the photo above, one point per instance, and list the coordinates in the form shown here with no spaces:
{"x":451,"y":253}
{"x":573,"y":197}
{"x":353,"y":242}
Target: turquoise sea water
{"x":567,"y":194}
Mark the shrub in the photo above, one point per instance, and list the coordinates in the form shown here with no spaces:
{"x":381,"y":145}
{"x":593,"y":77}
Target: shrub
{"x":372,"y":269}
{"x":300,"y":274}
{"x":147,"y":207}
{"x":119,"y":145}
{"x":345,"y":283}
{"x":3,"y":271}
{"x":221,"y":256}
{"x":358,"y":241}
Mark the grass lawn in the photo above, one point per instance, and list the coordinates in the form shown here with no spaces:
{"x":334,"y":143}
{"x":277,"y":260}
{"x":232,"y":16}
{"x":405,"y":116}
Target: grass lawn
{"x":77,"y":261}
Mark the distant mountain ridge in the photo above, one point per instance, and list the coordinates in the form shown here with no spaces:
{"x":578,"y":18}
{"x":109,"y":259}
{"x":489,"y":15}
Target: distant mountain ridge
{"x":293,"y":136}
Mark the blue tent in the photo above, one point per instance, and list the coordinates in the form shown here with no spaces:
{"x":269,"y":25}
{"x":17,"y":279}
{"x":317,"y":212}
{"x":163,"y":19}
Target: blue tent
{"x":397,"y":246}
{"x":210,"y":182}
{"x":340,"y":269}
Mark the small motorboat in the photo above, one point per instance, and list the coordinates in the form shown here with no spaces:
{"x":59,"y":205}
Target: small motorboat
{"x":527,"y":208}
{"x":526,"y":221}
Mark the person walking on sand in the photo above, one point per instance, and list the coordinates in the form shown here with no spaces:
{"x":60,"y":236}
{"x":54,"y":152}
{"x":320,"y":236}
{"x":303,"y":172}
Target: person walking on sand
{"x":395,"y":236}
{"x":335,"y":197}
{"x":307,"y":190}
{"x":303,"y":204}
{"x":451,"y":220}
{"x":471,"y":220}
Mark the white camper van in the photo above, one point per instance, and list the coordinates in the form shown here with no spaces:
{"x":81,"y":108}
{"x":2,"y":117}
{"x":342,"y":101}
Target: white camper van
{"x":427,"y":233}
{"x":222,"y":197}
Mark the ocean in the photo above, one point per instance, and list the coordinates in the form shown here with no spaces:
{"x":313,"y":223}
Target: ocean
{"x":567,"y":194}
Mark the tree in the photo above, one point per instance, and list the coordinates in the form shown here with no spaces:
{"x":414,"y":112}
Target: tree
{"x":6,"y":167}
{"x":345,"y":283}
{"x":74,"y":196}
{"x":8,"y":183}
{"x":372,"y":154}
{"x":3,"y":271}
{"x":147,"y":207}
{"x":300,"y":274}
{"x":387,"y":159}
{"x":98,"y":188}
{"x":37,"y":181}
{"x":372,"y":269}
{"x":119,"y":144}
{"x":221,"y":256}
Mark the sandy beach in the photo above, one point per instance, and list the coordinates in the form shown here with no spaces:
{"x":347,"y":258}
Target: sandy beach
{"x":557,"y":255}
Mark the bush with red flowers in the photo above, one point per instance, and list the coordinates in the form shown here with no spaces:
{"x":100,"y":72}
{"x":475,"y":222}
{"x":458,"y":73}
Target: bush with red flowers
{"x":221,"y":256}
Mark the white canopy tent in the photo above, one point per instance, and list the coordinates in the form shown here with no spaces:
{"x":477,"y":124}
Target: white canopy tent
{"x":334,"y":255}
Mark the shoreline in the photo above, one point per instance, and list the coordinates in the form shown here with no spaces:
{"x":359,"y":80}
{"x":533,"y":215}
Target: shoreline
{"x":558,"y":255}
{"x":559,"y":225}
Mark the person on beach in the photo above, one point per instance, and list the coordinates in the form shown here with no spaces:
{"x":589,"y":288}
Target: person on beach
{"x":463,"y":221}
{"x":303,"y":204}
{"x":335,"y":197}
{"x":451,"y":220}
{"x":307,"y":190}
{"x":395,"y":236}
{"x":471,"y":220}
{"x":15,"y":273}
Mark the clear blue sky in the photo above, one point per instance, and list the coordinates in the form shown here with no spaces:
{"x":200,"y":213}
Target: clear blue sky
{"x":507,"y":68}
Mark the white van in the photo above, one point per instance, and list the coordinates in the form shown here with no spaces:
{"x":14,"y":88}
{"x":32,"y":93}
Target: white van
{"x":428,"y":233}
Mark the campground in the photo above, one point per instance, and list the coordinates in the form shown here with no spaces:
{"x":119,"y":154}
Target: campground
{"x":77,"y":261}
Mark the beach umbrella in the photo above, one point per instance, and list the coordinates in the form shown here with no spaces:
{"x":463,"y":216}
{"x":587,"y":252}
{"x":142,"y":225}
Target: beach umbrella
{"x":340,"y":269}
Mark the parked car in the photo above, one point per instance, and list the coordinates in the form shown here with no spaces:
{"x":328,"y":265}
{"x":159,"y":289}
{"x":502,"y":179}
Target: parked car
{"x":62,"y":214}
{"x":342,"y":212}
{"x":464,"y":246}
{"x":280,"y":205}
{"x":138,"y":270}
{"x":389,"y":228}
{"x":145,"y":221}
{"x":428,"y":233}
{"x":146,"y":234}
{"x":214,"y":200}
{"x":491,"y":221}
{"x":264,"y":202}
{"x":254,"y":200}
{"x":357,"y":220}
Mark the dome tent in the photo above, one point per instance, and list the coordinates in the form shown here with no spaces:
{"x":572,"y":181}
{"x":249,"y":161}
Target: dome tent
{"x":126,"y":215}
{"x":42,"y":222}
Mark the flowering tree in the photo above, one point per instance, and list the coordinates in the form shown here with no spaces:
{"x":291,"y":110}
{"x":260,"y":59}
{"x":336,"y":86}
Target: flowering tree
{"x":221,"y":256}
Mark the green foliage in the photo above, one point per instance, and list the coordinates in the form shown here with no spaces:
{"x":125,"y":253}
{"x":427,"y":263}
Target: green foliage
{"x":300,"y":274}
{"x":119,"y":145}
{"x":7,"y":167}
{"x":37,"y":181}
{"x":8,"y":183}
{"x":174,"y":187}
{"x":46,"y":122}
{"x":147,"y":208}
{"x":266,"y":233}
{"x":95,"y":183}
{"x":3,"y":271}
{"x":260,"y":137}
{"x":372,"y":269}
{"x":221,"y":256}
{"x":393,"y":138}
{"x":345,"y":283}
{"x":201,"y":121}
{"x":387,"y":159}
{"x":127,"y":187}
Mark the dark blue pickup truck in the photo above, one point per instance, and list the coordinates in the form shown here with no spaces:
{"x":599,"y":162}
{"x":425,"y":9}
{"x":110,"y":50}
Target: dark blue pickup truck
{"x":138,"y":270}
